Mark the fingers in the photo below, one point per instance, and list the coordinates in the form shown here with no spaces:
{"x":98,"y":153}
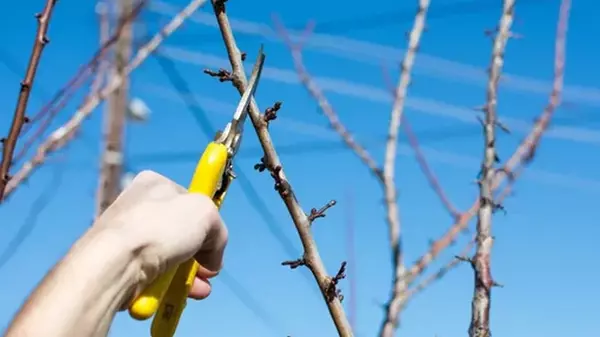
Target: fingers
{"x":206,"y":273}
{"x":178,"y":224}
{"x":210,"y":255}
{"x":201,"y":288}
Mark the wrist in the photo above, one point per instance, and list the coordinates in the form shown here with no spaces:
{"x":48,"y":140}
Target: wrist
{"x":110,"y":258}
{"x":80,"y":296}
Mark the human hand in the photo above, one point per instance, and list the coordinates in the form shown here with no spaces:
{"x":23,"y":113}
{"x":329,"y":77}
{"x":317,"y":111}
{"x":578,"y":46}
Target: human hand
{"x":167,"y":225}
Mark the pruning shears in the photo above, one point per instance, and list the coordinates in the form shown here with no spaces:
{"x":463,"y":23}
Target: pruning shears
{"x":166,"y":297}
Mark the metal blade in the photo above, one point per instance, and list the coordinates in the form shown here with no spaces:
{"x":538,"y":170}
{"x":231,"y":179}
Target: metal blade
{"x":242,"y":109}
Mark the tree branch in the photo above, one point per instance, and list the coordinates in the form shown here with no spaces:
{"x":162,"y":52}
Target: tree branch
{"x":322,"y":101}
{"x":19,"y":118}
{"x":64,"y":133}
{"x":49,"y":111}
{"x":426,"y":282}
{"x":481,"y":304}
{"x":432,"y":179}
{"x":361,"y":152}
{"x":523,"y":154}
{"x":399,"y":281}
{"x":311,"y":258}
{"x":526,"y":150}
{"x":428,"y":171}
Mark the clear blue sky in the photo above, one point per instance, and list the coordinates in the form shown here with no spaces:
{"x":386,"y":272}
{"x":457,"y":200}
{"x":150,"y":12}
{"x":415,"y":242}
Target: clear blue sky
{"x":546,"y":244}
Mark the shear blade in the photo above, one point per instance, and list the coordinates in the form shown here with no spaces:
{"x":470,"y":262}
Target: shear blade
{"x":242,"y":109}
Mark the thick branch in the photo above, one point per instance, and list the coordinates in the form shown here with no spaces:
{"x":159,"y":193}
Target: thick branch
{"x":19,"y":118}
{"x":311,"y":257}
{"x":399,"y":282}
{"x":481,"y":304}
{"x":61,"y":135}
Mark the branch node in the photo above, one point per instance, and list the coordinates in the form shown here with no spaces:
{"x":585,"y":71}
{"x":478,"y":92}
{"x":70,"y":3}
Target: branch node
{"x":281,"y":186}
{"x":465,"y":259}
{"x":293,"y":264}
{"x":320,"y":213}
{"x":496,"y":158}
{"x":497,"y":285}
{"x":332,"y":292}
{"x":497,"y":123}
{"x":220,"y":5}
{"x":25,"y":85}
{"x":260,"y":167}
{"x":271,"y":112}
{"x":222,"y":74}
{"x":510,"y":175}
{"x":495,"y":206}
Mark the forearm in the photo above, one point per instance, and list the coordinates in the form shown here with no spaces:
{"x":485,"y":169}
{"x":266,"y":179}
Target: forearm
{"x":81,"y":295}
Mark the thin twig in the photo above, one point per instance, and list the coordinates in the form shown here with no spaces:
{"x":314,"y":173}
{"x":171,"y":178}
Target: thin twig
{"x":431,"y":177}
{"x":324,"y":105}
{"x":482,"y":294}
{"x":311,"y":258}
{"x":526,"y":151}
{"x":426,"y":282}
{"x":64,"y":133}
{"x":19,"y":118}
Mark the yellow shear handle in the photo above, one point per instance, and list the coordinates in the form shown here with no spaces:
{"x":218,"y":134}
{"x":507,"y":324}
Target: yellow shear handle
{"x":178,"y":280}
